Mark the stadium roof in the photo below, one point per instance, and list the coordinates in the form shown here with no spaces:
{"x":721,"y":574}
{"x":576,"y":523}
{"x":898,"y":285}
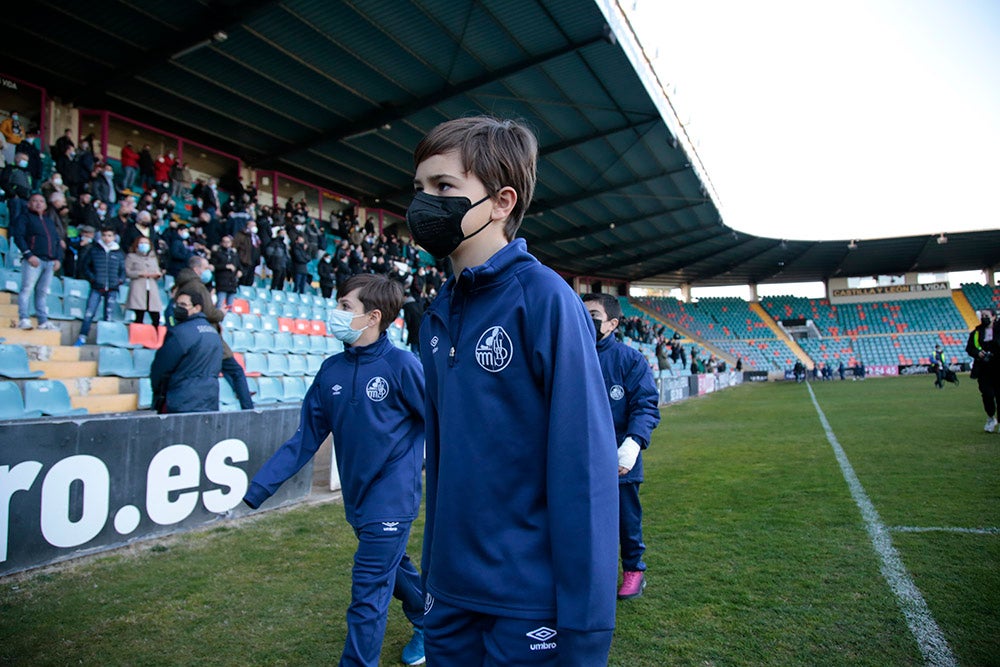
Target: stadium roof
{"x":339,"y":93}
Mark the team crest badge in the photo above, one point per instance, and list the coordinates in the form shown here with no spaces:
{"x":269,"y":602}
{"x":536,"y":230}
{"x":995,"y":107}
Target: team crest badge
{"x":617,"y":393}
{"x":377,"y":388}
{"x":494,"y":349}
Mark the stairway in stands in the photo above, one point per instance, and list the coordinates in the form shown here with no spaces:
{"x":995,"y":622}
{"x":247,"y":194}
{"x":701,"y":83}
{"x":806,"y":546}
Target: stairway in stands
{"x":76,"y":367}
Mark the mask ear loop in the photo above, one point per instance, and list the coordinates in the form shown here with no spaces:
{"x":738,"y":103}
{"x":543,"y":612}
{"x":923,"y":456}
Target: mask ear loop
{"x":488,"y":222}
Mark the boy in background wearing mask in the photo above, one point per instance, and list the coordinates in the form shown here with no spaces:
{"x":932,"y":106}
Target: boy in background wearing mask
{"x":635,"y":409}
{"x":520,"y":545}
{"x":105,"y":269}
{"x":371,"y":398}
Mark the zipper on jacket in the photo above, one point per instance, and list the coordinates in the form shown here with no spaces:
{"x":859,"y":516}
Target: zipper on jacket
{"x":452,"y":356}
{"x":354,"y":385}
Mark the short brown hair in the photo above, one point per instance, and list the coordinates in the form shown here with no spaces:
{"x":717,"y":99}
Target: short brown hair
{"x":499,"y":153}
{"x":376,"y":292}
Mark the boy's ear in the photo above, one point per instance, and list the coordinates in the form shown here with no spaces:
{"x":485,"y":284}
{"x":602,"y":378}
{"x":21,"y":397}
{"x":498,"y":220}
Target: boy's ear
{"x":504,"y":203}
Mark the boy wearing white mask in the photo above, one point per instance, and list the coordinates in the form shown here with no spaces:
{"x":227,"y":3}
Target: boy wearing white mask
{"x":371,"y":398}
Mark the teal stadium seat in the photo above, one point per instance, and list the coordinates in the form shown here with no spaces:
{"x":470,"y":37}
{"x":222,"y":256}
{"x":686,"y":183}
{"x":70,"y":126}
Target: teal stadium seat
{"x":293,"y":389}
{"x":114,"y":334}
{"x":14,"y":363}
{"x":116,"y":361}
{"x":50,"y":397}
{"x":269,"y":390}
{"x":12,"y":403}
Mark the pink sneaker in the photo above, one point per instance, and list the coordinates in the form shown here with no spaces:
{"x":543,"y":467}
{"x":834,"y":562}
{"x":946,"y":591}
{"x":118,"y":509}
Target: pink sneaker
{"x":632,"y":585}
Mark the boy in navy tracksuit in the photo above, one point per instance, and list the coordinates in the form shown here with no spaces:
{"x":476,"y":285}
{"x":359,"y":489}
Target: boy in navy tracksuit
{"x":635,"y":408}
{"x":371,"y":397}
{"x":520,"y":549}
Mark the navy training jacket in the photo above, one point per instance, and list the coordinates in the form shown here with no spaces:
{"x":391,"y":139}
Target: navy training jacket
{"x":186,"y":368}
{"x":372,"y":399}
{"x":522,"y":493}
{"x":632,"y":393}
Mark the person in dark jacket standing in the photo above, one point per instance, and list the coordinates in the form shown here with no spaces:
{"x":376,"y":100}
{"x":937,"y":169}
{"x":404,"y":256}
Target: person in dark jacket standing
{"x":984,"y":347}
{"x":226,"y":261}
{"x":146,"y":168}
{"x":105,"y":270}
{"x":186,"y":368}
{"x":36,"y":236}
{"x":635,"y":409}
{"x":196,"y":277}
{"x":300,"y":264}
{"x":327,"y":280}
{"x":276,"y":256}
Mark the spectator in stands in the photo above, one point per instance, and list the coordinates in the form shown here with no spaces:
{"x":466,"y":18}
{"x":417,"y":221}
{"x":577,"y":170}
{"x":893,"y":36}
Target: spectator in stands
{"x":181,"y":251}
{"x":161,"y":170}
{"x":63,"y":143}
{"x":36,"y":236}
{"x":102,"y":186}
{"x":58,"y":210}
{"x":147,"y":174}
{"x":143,"y":271}
{"x":54,"y":184}
{"x":177,"y":182}
{"x":842,"y":370}
{"x":84,"y":165}
{"x":196,"y":277}
{"x":29,"y":146}
{"x":12,"y":129}
{"x":226,"y":261}
{"x":551,"y":498}
{"x":663,"y":363}
{"x":210,"y":198}
{"x":186,"y":368}
{"x":378,"y":444}
{"x":142,"y":227}
{"x":82,"y":212}
{"x":248,"y":245}
{"x":130,"y":166}
{"x":799,"y":370}
{"x":327,"y":279}
{"x":104,"y":269}
{"x":17,"y":185}
{"x":635,"y":410}
{"x":278,"y":260}
{"x":984,"y":348}
{"x":300,"y":264}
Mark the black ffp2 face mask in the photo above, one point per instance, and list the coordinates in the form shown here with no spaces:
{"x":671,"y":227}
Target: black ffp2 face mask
{"x":436,"y":222}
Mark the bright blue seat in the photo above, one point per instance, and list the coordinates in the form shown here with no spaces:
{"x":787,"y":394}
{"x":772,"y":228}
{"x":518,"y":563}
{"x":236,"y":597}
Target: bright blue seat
{"x":289,"y":310}
{"x":74,"y":307}
{"x":303,"y":312}
{"x":12,"y":403}
{"x":248,"y":292}
{"x":277,"y":364}
{"x":293,"y":389}
{"x":55,"y":304}
{"x":333,"y":345}
{"x":118,"y":362}
{"x":269,"y":323}
{"x":232,"y":321}
{"x":114,"y":334}
{"x":269,"y":390}
{"x":297,"y":364}
{"x":292,"y":298}
{"x":50,"y":397}
{"x":277,"y":296}
{"x":14,"y":363}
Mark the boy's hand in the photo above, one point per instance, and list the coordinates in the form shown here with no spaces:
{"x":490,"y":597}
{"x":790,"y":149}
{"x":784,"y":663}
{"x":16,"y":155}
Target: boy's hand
{"x":628,"y":452}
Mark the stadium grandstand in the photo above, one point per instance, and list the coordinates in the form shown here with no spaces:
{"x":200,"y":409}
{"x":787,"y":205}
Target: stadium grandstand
{"x":302,"y":116}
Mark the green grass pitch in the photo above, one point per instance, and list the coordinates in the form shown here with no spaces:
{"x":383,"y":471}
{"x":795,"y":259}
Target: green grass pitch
{"x":757,"y":552}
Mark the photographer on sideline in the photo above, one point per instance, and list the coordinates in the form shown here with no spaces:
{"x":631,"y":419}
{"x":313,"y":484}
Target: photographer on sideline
{"x":983,"y":348}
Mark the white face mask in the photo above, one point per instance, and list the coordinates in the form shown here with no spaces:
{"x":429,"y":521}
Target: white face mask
{"x":340,"y":326}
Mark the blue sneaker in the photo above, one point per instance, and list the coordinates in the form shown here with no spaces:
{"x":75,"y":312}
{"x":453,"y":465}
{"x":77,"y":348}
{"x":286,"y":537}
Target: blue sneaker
{"x":413,"y":653}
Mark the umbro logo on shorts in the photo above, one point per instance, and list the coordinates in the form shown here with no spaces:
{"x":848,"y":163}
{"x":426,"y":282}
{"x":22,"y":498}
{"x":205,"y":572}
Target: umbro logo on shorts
{"x":542,"y":635}
{"x":390,"y":526}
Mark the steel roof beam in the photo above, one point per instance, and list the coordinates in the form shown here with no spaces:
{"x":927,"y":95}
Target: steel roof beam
{"x":578,"y":233}
{"x":217,"y":17}
{"x":542,"y":206}
{"x":374,"y":121}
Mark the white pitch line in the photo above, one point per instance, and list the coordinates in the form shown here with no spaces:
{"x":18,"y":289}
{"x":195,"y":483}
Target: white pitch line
{"x":925,"y":630}
{"x":945,"y":529}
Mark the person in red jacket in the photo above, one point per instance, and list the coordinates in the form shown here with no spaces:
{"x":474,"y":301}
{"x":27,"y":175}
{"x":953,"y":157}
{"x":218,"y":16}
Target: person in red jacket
{"x":130,"y":165}
{"x":161,"y":169}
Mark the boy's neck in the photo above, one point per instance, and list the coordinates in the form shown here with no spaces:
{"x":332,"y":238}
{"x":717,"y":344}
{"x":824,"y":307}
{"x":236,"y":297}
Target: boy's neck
{"x":479,"y":249}
{"x":367,"y":337}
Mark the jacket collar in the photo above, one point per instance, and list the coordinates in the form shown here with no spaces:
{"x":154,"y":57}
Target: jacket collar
{"x":369,"y":352}
{"x":498,"y":268}
{"x":605,"y":343}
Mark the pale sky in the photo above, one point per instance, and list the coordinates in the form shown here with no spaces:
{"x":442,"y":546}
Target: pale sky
{"x":837,"y":120}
